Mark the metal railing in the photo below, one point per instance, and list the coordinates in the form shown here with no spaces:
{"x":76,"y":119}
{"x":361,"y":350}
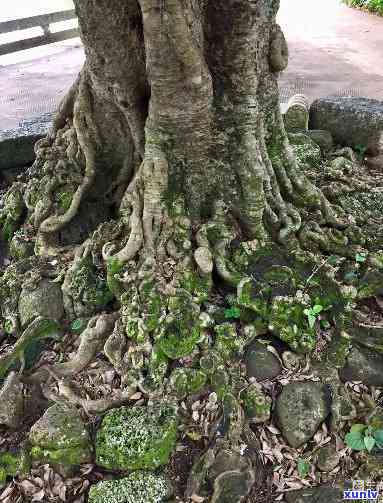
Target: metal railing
{"x":44,"y":21}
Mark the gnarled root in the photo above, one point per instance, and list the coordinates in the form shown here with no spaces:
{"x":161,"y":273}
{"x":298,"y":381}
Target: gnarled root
{"x":142,"y":210}
{"x":88,"y":139}
{"x":92,"y":340}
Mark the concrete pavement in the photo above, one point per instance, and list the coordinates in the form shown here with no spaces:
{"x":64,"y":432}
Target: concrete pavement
{"x":333,"y":50}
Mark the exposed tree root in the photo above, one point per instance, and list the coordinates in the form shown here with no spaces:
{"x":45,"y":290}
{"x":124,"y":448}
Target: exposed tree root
{"x":88,"y":139}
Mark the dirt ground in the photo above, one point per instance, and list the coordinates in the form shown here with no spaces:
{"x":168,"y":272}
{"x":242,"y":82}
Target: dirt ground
{"x":333,"y":50}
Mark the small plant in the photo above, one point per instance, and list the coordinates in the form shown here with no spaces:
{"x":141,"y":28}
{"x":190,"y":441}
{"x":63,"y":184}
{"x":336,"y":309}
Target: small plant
{"x":360,"y":258}
{"x":303,"y":467}
{"x":362,"y":437}
{"x":232,"y":313}
{"x":312,"y":314}
{"x":360,"y":150}
{"x":77,"y":325}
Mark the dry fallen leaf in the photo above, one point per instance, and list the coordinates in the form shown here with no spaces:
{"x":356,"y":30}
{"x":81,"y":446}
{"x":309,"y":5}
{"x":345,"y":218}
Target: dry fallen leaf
{"x":197,"y":499}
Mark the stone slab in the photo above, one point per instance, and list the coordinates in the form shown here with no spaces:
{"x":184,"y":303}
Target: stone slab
{"x":17,"y":145}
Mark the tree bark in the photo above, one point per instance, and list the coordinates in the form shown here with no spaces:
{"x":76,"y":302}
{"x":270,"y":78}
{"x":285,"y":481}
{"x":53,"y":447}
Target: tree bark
{"x":173,"y":130}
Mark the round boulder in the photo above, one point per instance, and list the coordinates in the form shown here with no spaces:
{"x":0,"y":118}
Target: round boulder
{"x":261,"y":363}
{"x":300,"y":409}
{"x":45,"y":300}
{"x":137,"y":438}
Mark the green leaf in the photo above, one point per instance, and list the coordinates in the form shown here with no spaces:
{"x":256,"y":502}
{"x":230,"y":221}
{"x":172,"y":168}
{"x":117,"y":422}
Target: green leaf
{"x":325,"y":324}
{"x":77,"y":325}
{"x":357,"y":427}
{"x":360,"y":257}
{"x":333,"y":259}
{"x":303,"y":467}
{"x":233,"y":312}
{"x":317,"y":308}
{"x":355,"y":441}
{"x":312,"y":319}
{"x":307,"y":312}
{"x":8,"y":327}
{"x":378,"y":435}
{"x":369,"y":442}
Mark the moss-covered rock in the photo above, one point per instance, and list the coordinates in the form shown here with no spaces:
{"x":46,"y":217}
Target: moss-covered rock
{"x":186,"y":381}
{"x":61,"y":438}
{"x":327,"y":458}
{"x":12,"y":211}
{"x":11,"y":402}
{"x":305,"y":149}
{"x":364,"y":365}
{"x":300,"y":409}
{"x":85,"y":290}
{"x":44,"y":299}
{"x":138,"y":487}
{"x":262,"y":363}
{"x":13,"y":463}
{"x":289,"y":322}
{"x":21,"y":246}
{"x":256,"y":404}
{"x":228,"y":343}
{"x":137,"y":438}
{"x":181,"y":330}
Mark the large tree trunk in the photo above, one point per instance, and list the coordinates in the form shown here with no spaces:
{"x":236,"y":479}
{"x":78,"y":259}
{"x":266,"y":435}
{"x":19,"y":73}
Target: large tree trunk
{"x":190,"y":87}
{"x":168,"y":151}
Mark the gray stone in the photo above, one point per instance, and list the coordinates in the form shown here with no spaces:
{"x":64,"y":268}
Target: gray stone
{"x":17,"y":145}
{"x":364,"y":365}
{"x":322,"y":138}
{"x":262,"y":363}
{"x":45,"y":300}
{"x":300,"y":409}
{"x":137,"y":487}
{"x":327,"y":458}
{"x":233,"y":486}
{"x":352,"y":121}
{"x":324,"y":494}
{"x":60,"y":438}
{"x":297,"y":114}
{"x":11,"y":402}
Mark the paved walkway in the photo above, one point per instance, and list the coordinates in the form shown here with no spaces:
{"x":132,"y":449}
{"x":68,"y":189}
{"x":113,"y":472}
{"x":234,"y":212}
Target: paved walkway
{"x":333,"y":50}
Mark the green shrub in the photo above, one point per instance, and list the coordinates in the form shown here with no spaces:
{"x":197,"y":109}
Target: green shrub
{"x":371,"y":5}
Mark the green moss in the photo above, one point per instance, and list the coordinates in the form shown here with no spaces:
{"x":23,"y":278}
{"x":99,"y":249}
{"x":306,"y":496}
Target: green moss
{"x":210,"y":362}
{"x":181,"y":331}
{"x":14,"y":463}
{"x":337,"y":351}
{"x":114,"y":267}
{"x":305,"y":149}
{"x":158,"y":365}
{"x":289,"y":322}
{"x":71,"y":456}
{"x":186,"y":381}
{"x":137,"y":438}
{"x":12,"y":211}
{"x":256,"y":404}
{"x":138,"y":487}
{"x":177,"y":343}
{"x":228,"y":343}
{"x":220,"y":382}
{"x":64,"y":200}
{"x":87,"y":288}
{"x":197,"y":286}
